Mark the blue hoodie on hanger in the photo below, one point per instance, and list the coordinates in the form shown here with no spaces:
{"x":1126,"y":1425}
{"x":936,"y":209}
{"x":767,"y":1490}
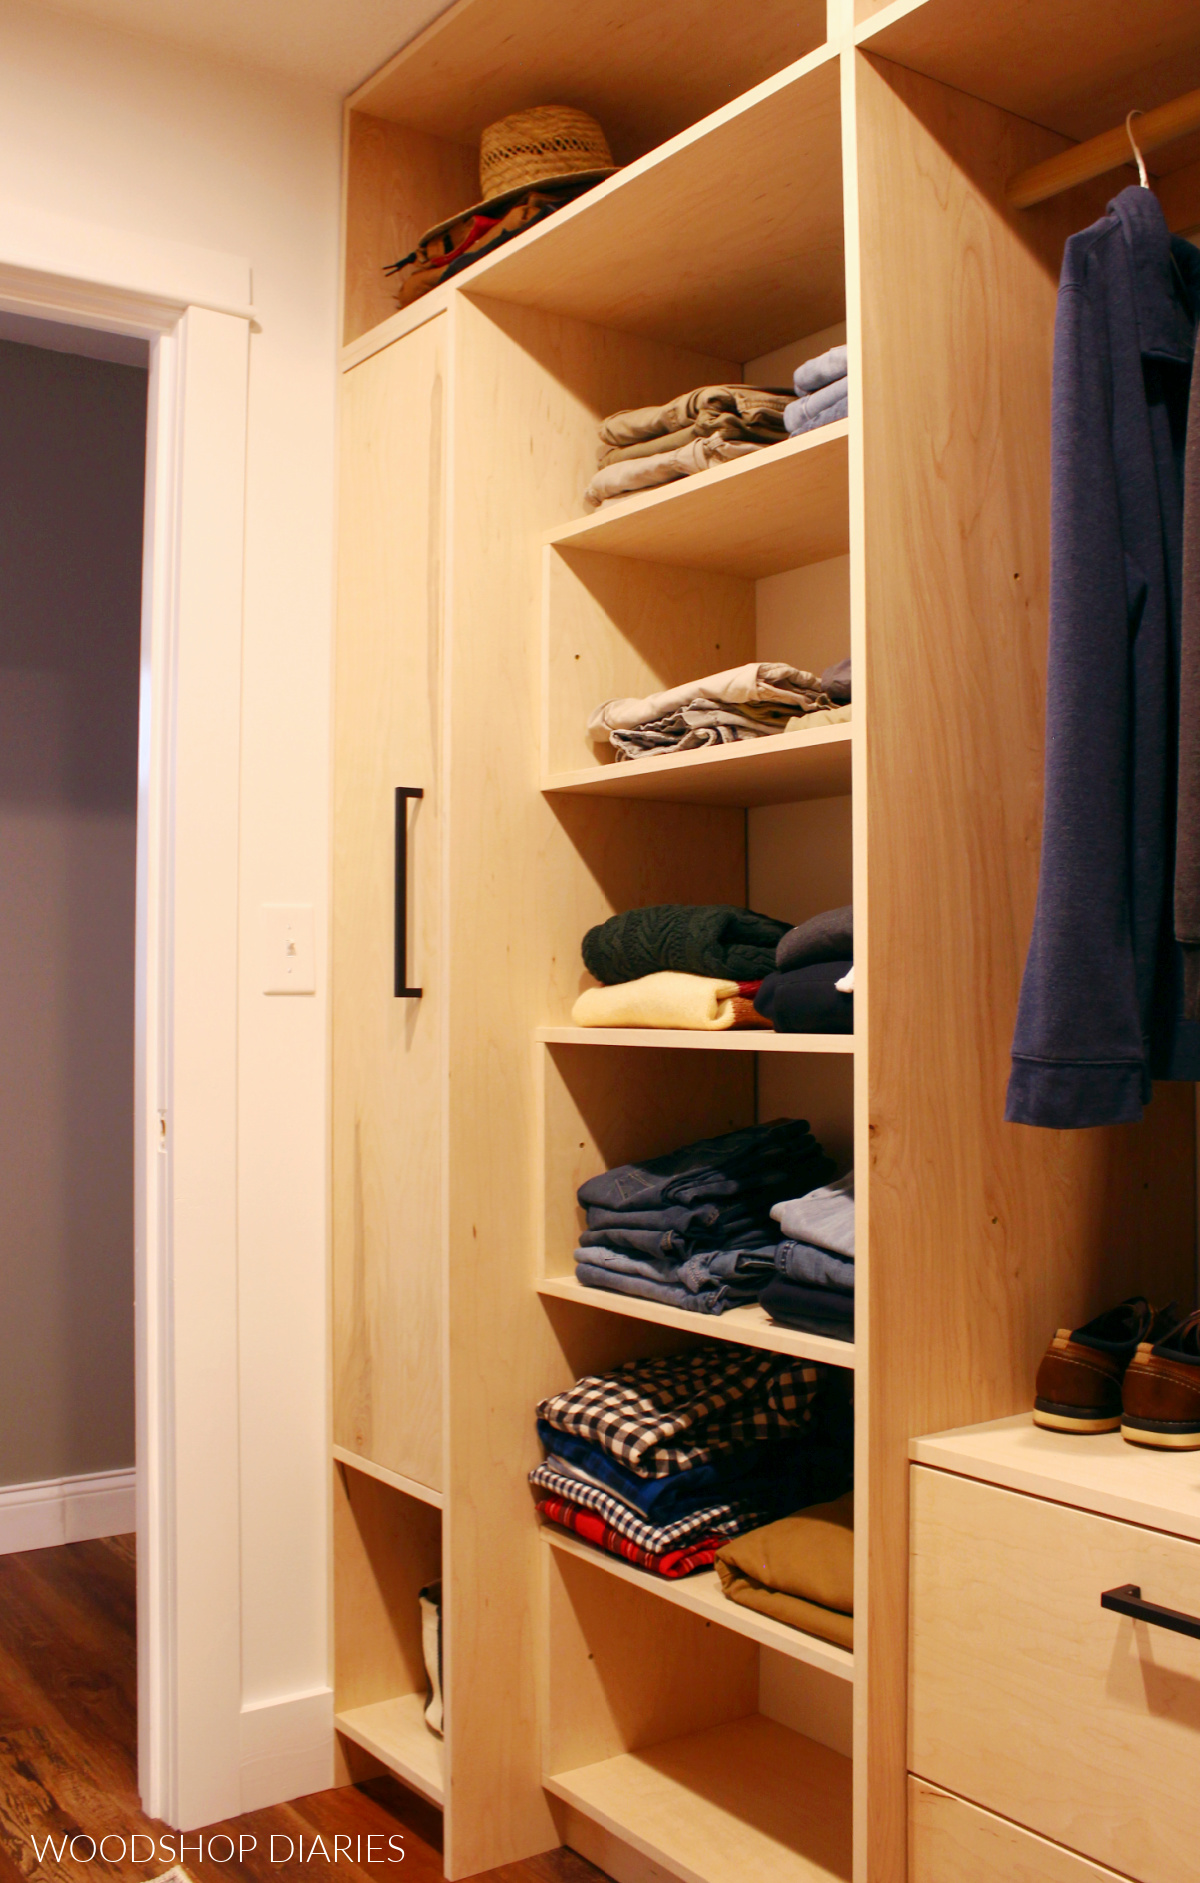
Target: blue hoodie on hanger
{"x":1102,"y":991}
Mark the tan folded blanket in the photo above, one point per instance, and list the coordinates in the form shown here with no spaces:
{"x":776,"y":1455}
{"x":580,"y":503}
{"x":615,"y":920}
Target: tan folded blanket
{"x":663,"y":467}
{"x":758,"y":409}
{"x":799,"y":1570}
{"x":827,"y":716}
{"x":690,"y":1001}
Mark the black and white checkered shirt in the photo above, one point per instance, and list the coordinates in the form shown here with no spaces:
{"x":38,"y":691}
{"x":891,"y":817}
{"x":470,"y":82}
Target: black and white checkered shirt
{"x":666,"y":1415}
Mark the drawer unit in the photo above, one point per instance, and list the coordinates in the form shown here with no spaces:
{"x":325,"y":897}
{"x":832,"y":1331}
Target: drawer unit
{"x":950,"y":1841}
{"x":1029,"y":1698}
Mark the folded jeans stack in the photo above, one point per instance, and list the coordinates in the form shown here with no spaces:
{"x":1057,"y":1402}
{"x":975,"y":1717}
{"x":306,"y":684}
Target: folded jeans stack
{"x":663,"y":1460}
{"x":749,"y":702}
{"x":813,"y":1288}
{"x":822,"y":393}
{"x":656,"y":444}
{"x":811,"y":989}
{"x":692,"y":1229}
{"x":696,"y":967}
{"x":798,"y":1570}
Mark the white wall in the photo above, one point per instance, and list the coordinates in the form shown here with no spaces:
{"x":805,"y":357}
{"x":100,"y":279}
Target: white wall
{"x":101,"y":125}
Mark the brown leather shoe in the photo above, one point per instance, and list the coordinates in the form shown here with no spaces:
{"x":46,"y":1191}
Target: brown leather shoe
{"x":1080,"y":1379}
{"x":1162,"y":1391}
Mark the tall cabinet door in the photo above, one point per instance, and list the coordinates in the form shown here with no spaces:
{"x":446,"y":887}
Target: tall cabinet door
{"x":388,"y":1071}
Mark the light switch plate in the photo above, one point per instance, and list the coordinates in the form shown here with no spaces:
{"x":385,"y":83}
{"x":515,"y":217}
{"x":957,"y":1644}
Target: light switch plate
{"x":289,"y":948}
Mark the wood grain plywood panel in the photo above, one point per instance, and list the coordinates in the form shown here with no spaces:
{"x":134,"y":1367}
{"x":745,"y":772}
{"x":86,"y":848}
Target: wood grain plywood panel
{"x":398,"y":184}
{"x":388,"y":1078}
{"x":1076,"y":66}
{"x":778,"y":770}
{"x":1031,"y":1699}
{"x":747,"y":1327}
{"x":394,"y":1731}
{"x":759,"y":515}
{"x":747,"y":1799}
{"x":734,"y":1040}
{"x":981,"y":1237}
{"x":704,"y":244}
{"x":1158,"y":1489}
{"x":644,"y":72}
{"x":951,"y":1841}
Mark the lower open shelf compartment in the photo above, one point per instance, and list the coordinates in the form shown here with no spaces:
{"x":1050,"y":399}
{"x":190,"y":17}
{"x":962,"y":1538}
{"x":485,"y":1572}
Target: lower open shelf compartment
{"x":748,"y":1799}
{"x":395,"y":1733}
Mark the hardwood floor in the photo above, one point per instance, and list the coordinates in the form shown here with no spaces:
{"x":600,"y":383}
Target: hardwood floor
{"x":68,"y":1757}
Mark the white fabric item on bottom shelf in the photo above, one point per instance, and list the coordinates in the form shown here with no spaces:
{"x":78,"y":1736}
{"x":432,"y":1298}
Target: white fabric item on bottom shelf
{"x":430,"y":1600}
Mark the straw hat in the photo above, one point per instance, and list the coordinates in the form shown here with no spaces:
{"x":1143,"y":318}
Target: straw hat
{"x":547,"y":145}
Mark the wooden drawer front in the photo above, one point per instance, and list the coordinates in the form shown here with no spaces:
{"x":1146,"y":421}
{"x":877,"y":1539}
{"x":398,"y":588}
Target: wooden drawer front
{"x":1028,"y":1697}
{"x":950,"y":1841}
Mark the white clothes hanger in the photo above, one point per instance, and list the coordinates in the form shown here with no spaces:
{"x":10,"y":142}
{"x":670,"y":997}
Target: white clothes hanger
{"x":1143,"y":178}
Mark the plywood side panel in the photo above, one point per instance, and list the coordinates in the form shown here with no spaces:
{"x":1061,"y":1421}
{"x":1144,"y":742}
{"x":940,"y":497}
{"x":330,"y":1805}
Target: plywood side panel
{"x":524,"y":882}
{"x":399,"y":182}
{"x":981,"y":1237}
{"x":388,"y":1068}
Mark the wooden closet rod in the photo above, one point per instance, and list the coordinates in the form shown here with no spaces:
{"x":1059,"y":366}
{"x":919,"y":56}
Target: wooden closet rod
{"x":1056,"y":174}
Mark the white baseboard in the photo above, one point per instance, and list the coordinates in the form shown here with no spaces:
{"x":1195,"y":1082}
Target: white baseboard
{"x":286,"y":1748}
{"x":67,"y":1510}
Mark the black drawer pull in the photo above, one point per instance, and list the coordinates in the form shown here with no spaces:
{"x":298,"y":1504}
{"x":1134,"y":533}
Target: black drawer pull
{"x":1127,"y":1600}
{"x":401,"y":988}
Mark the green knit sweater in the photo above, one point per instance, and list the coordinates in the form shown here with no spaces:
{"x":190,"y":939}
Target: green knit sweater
{"x":735,"y":944}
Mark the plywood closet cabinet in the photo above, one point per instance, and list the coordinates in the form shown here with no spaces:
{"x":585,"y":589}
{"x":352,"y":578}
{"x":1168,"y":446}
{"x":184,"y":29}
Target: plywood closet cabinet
{"x":816,"y":172}
{"x":388,"y":1053}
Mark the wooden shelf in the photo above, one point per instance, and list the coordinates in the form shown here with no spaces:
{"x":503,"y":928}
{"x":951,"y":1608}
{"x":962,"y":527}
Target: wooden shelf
{"x":703,"y":1595}
{"x":782,"y":769}
{"x":396,"y":1733}
{"x":408,"y":1486}
{"x":1159,"y":1490}
{"x":749,"y":1799}
{"x":733,"y":1040}
{"x":1011,"y":54}
{"x":746,"y":1327}
{"x":777,"y":509}
{"x":702,"y":243}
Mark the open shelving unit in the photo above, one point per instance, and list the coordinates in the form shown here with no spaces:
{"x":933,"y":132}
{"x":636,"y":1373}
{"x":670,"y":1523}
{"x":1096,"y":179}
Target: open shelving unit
{"x":833,"y":169}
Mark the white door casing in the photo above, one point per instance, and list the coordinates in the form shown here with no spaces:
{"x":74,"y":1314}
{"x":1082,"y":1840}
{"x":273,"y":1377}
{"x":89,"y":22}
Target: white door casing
{"x":189,"y":1584}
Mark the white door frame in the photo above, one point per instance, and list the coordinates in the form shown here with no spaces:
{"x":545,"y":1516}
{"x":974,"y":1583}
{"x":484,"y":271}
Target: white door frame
{"x":184,"y":303}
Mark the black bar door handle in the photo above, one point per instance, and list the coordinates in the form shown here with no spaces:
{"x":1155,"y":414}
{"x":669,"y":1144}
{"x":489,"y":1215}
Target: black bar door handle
{"x":1127,"y":1600}
{"x":401,"y":988}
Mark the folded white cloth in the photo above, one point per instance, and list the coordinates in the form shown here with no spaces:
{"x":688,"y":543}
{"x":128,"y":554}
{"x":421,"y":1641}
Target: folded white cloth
{"x":691,"y":1001}
{"x":846,"y":984}
{"x":759,"y":681}
{"x":824,"y":1217}
{"x":821,"y":370}
{"x":663,"y":467}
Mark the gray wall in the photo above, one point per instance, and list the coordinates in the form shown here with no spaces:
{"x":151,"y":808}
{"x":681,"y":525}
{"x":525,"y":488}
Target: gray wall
{"x":72,"y":451}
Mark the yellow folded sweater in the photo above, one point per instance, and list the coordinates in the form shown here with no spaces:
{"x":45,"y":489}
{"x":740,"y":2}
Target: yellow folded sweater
{"x":690,"y":1001}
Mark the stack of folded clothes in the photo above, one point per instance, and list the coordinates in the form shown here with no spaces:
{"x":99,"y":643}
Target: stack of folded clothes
{"x":749,"y":702}
{"x":693,"y":1229}
{"x":813,"y":1288}
{"x":822,"y":393}
{"x":812,"y":987}
{"x":677,"y":965}
{"x":655,"y":444}
{"x":665,"y":1459}
{"x":800,"y":1570}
